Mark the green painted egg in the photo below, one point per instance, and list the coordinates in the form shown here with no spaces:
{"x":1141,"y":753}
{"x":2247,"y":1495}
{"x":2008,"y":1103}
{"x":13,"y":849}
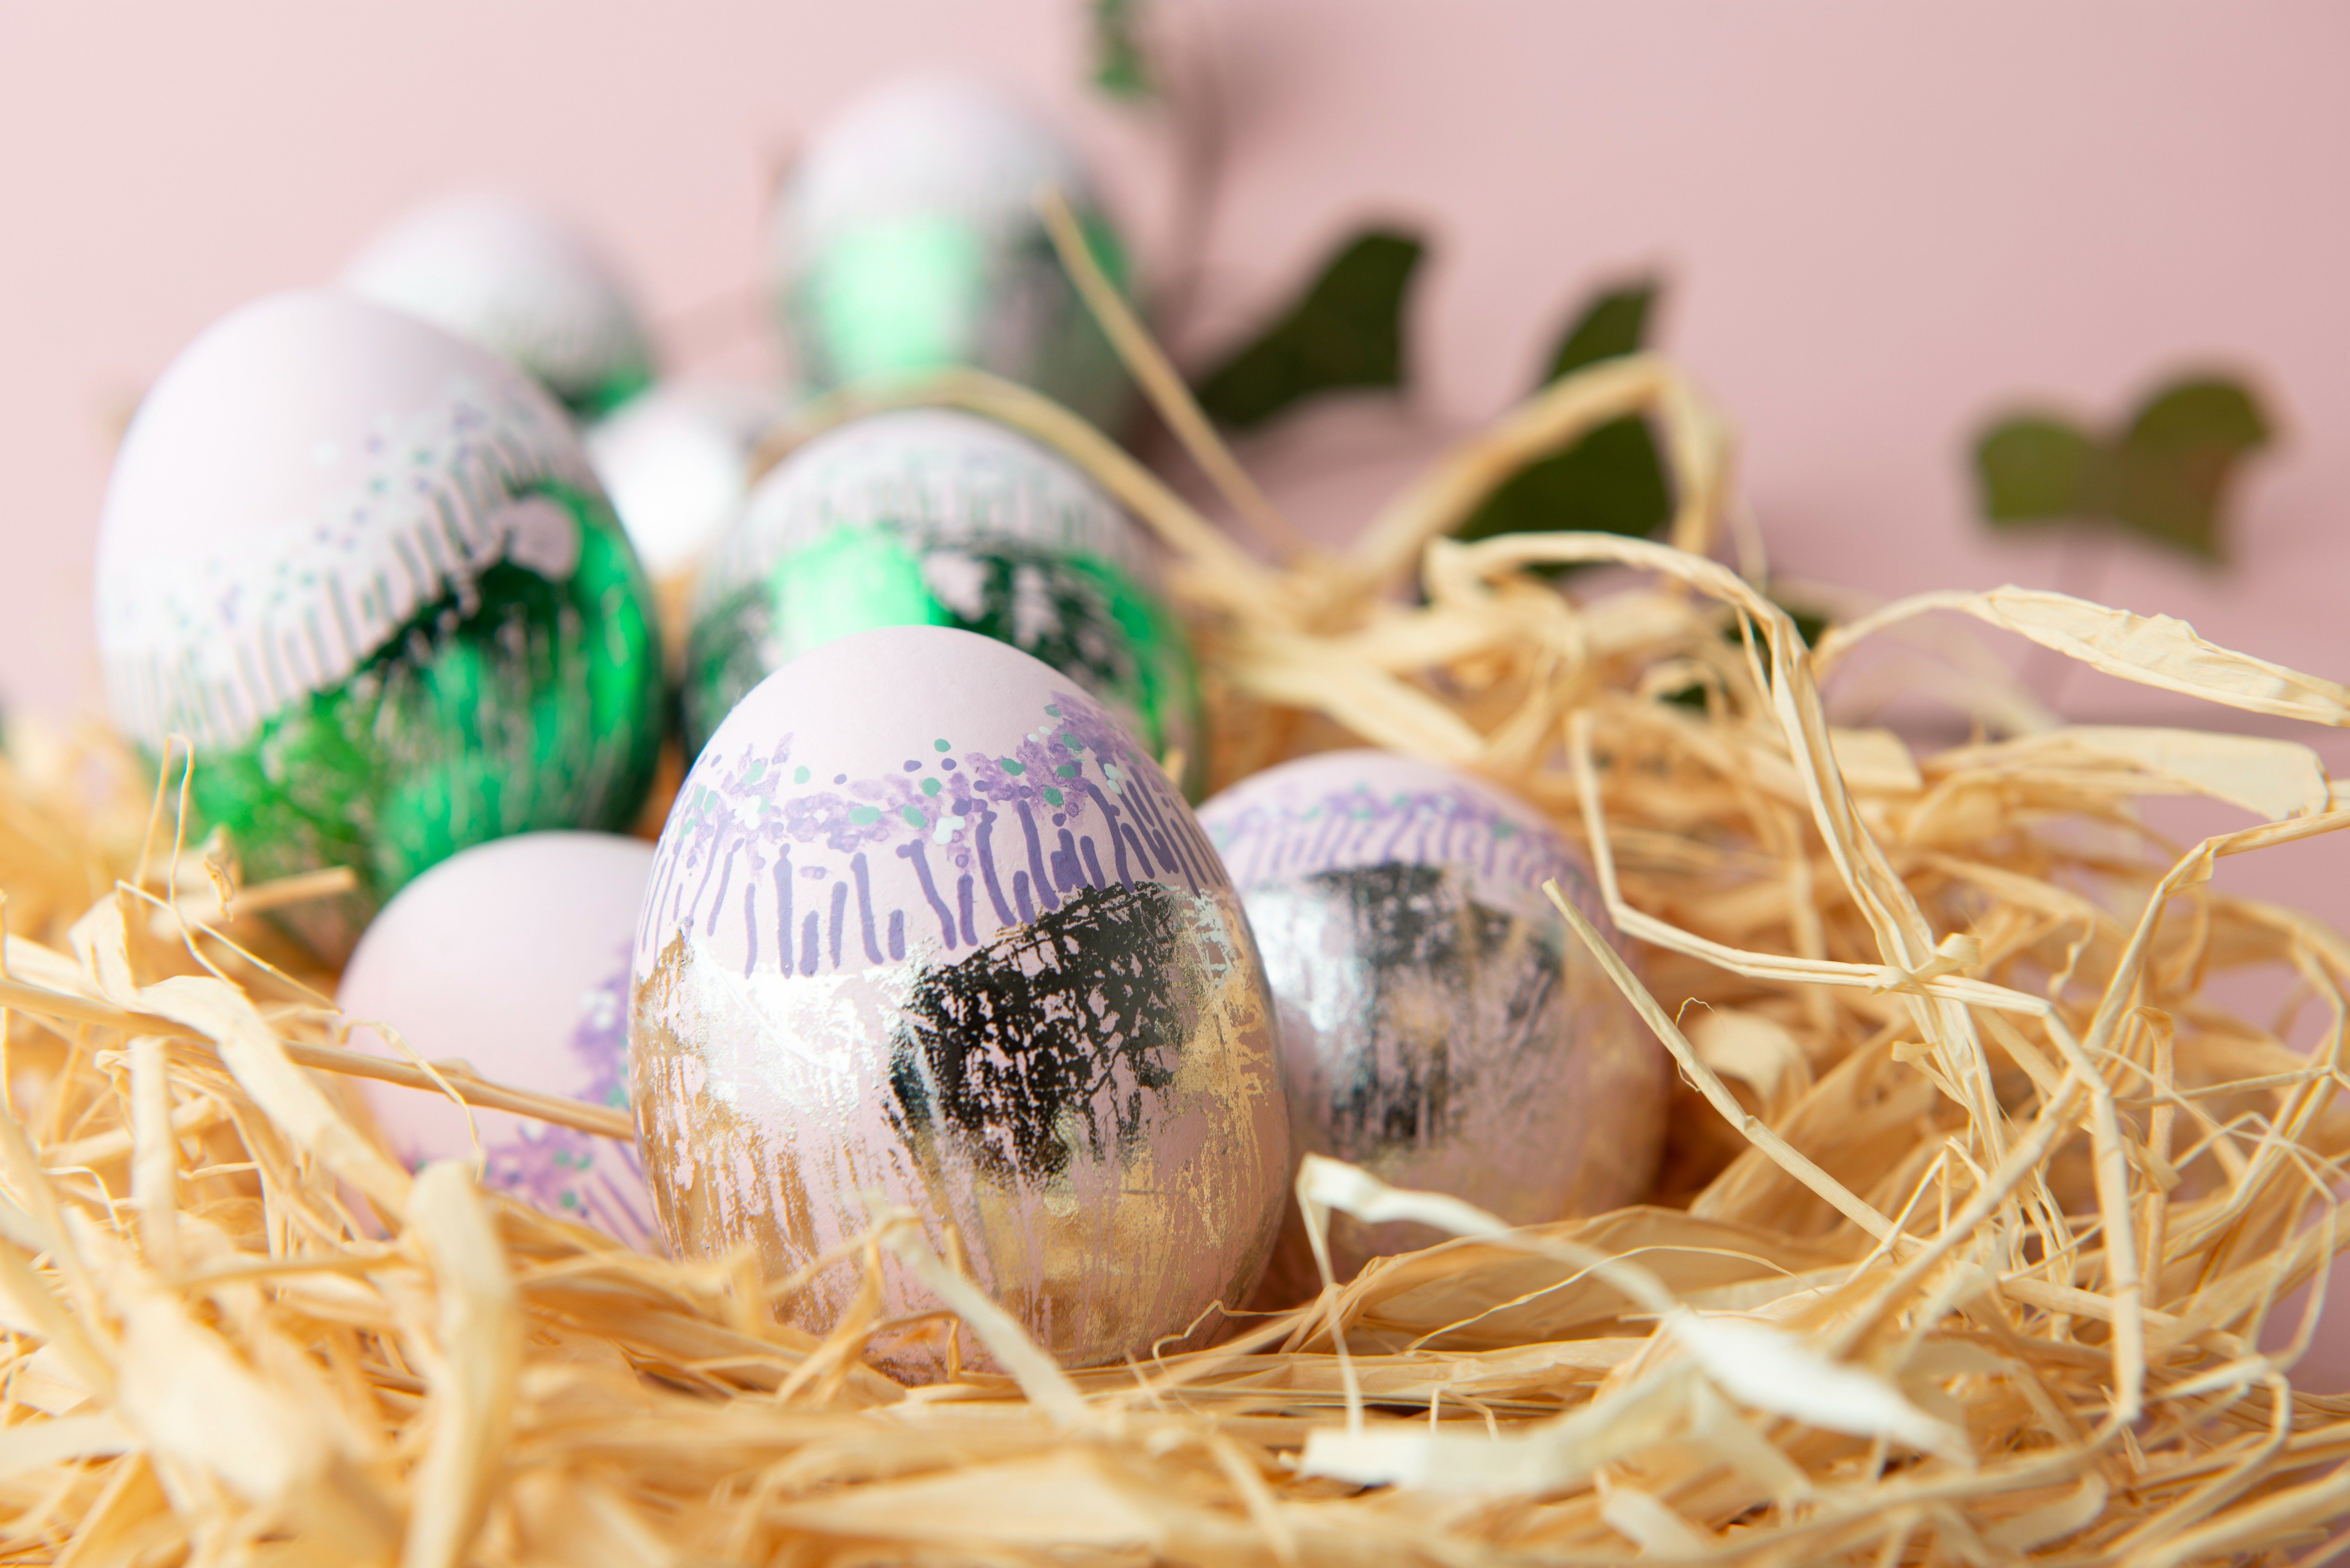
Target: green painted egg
{"x":936,"y":517}
{"x":907,"y":238}
{"x":364,"y":569}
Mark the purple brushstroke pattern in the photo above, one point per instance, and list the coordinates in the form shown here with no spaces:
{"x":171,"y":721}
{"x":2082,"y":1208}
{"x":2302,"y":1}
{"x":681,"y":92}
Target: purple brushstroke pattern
{"x":991,"y":838}
{"x":1266,"y":835}
{"x":577,"y":1175}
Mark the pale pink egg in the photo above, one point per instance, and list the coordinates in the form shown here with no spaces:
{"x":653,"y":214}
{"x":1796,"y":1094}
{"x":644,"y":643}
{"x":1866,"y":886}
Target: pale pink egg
{"x":676,"y":462}
{"x":513,"y":957}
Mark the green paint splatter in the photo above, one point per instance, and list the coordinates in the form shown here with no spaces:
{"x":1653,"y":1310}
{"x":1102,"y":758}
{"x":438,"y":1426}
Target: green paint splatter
{"x":527,"y":705}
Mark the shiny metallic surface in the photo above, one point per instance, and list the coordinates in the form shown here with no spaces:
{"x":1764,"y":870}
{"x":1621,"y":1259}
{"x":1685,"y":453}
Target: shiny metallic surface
{"x":865,"y":979}
{"x":1441,"y":1026}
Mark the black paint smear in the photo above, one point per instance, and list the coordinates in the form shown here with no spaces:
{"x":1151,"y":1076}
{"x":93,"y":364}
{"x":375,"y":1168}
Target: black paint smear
{"x":1427,"y":953}
{"x":1006,"y":1046}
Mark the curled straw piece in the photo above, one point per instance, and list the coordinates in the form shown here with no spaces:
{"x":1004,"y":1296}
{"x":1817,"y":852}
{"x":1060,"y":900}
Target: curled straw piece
{"x":2038,"y":1180}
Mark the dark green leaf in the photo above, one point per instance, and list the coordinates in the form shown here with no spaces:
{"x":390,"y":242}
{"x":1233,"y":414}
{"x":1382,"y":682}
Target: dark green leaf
{"x":1811,"y":624}
{"x":2170,"y":469}
{"x":1610,"y":481}
{"x":2165,"y":476}
{"x":1121,"y":64}
{"x":1613,"y":480}
{"x":1614,"y":323}
{"x":2036,"y":469}
{"x":1347,"y":331}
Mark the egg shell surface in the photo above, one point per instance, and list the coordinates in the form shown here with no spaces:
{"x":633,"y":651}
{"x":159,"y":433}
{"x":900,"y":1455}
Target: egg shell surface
{"x":365,"y":568}
{"x":676,"y":462}
{"x":925,"y":922}
{"x":504,"y":273}
{"x":907,"y":238}
{"x":1441,"y":1027}
{"x":933,"y":517}
{"x":512,"y":956}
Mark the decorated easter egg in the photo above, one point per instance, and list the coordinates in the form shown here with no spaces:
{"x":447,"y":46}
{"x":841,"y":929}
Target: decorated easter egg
{"x":1443,"y":1028}
{"x":676,"y":462}
{"x":503,"y":273}
{"x":928,"y":930}
{"x":364,"y":570}
{"x":907,"y":238}
{"x":513,"y":957}
{"x":931,"y":517}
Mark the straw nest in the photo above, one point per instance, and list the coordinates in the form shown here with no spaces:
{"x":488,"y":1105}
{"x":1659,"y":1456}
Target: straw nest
{"x":1977,"y":1202}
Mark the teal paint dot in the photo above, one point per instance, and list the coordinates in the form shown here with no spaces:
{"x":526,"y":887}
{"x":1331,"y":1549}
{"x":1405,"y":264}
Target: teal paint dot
{"x":1052,"y":795}
{"x":913,"y":815}
{"x":929,"y":787}
{"x":1013,"y":765}
{"x":939,"y":745}
{"x":570,"y":1200}
{"x":1052,"y":710}
{"x":799,"y":775}
{"x":863,"y":815}
{"x":1067,"y":770}
{"x":1505,"y":830}
{"x":1070,"y":740}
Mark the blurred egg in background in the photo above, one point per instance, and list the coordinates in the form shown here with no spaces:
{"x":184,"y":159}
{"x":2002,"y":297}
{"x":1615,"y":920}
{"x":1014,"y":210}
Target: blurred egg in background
{"x":506,"y":273}
{"x":936,"y":517}
{"x":1441,"y":1026}
{"x":927,"y":927}
{"x":513,"y":957}
{"x":676,"y":462}
{"x":905,"y":237}
{"x":364,"y":569}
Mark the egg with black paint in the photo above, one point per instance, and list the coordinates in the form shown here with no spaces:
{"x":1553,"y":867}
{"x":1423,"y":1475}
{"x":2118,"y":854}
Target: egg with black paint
{"x":512,"y":958}
{"x":907,"y":238}
{"x":366,"y":570}
{"x":507,"y":273}
{"x":934,"y":516}
{"x":1441,"y":1026}
{"x":928,"y":929}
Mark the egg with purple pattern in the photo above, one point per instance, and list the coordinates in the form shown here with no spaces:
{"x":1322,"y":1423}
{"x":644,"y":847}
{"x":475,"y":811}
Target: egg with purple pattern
{"x":1441,"y":1027}
{"x":513,"y":957}
{"x":928,"y":929}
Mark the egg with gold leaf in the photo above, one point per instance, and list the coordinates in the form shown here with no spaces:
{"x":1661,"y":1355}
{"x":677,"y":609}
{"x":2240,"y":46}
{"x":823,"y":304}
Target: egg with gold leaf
{"x":929,"y":932}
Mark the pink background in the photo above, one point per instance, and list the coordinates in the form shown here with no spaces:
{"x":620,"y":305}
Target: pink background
{"x":1881,"y":224}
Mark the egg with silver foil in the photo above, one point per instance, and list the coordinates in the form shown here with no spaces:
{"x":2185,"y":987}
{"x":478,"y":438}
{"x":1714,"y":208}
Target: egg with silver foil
{"x":512,"y":958}
{"x":1442,"y":1027}
{"x":364,"y":569}
{"x":928,"y":930}
{"x":503,"y":272}
{"x":933,"y":517}
{"x":907,"y":238}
